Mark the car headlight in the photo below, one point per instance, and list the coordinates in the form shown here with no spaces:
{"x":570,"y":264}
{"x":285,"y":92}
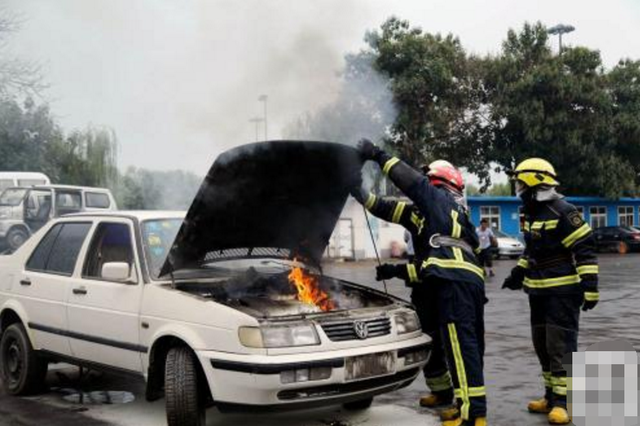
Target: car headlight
{"x":279,"y":336}
{"x":407,"y":322}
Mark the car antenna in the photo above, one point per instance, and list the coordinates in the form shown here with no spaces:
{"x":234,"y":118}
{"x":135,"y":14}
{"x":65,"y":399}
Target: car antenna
{"x":375,"y":247}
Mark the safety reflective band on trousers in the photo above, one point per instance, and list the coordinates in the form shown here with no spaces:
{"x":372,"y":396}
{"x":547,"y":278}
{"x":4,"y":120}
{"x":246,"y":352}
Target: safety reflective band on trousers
{"x":305,"y":375}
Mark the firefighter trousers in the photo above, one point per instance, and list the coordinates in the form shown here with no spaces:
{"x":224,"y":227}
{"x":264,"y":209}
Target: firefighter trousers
{"x":554,"y":330}
{"x":436,"y":371}
{"x":461,"y":321}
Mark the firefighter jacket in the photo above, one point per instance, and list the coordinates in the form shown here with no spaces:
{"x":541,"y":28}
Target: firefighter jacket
{"x":441,"y":215}
{"x":559,"y":257}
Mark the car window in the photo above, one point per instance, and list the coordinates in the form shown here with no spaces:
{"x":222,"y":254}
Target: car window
{"x":96,"y":200}
{"x":39,"y":257}
{"x":111,"y":243}
{"x":39,"y":205}
{"x":12,"y":197}
{"x":31,"y":182}
{"x":68,"y":202}
{"x":60,"y":256}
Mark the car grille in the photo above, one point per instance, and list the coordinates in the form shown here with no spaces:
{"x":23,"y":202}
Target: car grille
{"x":345,"y":330}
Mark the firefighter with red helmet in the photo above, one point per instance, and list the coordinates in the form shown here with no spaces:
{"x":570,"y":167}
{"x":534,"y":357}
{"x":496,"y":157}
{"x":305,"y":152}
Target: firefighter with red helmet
{"x":436,"y":372}
{"x":449,"y":270}
{"x":559,"y":272}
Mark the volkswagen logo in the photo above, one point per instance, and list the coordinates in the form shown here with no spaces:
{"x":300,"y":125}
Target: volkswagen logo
{"x":362,"y":329}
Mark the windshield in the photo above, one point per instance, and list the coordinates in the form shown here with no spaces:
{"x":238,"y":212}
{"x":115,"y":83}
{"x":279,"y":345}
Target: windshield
{"x":12,"y":197}
{"x":500,"y":234}
{"x":157,"y":238}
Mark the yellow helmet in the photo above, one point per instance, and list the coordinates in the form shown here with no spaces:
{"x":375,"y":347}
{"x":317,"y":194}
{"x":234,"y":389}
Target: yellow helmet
{"x":535,"y":171}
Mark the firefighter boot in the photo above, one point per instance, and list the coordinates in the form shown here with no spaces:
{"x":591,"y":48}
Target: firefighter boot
{"x":449,"y":413}
{"x":559,"y":416}
{"x":540,"y":406}
{"x":478,"y":421}
{"x":435,"y":400}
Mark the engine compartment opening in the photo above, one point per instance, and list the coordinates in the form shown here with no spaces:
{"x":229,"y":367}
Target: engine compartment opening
{"x":284,"y":294}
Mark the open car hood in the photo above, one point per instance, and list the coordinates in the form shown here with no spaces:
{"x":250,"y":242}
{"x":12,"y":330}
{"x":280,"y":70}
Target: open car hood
{"x":269,"y":199}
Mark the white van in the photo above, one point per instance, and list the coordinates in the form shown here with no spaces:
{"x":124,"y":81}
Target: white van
{"x":24,"y":210}
{"x":10,"y":179}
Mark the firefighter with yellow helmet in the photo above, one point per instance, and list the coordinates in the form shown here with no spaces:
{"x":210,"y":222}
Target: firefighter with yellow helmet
{"x":559,"y":272}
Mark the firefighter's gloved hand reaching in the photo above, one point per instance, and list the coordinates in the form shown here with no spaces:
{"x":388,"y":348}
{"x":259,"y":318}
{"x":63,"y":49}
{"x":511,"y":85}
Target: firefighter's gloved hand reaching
{"x":387,"y":271}
{"x":368,"y":151}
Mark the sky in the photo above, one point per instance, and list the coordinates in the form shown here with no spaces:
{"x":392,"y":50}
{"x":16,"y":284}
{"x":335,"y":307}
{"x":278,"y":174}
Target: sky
{"x":179,"y":81}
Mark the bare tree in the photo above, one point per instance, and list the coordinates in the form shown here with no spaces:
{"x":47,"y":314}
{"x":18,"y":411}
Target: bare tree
{"x":17,"y":76}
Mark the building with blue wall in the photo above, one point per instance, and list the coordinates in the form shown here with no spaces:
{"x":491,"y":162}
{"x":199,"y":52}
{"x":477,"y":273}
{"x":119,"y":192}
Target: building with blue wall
{"x":504,"y":212}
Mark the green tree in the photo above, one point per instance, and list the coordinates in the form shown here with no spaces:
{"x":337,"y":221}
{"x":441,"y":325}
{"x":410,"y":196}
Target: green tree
{"x":433,"y":88}
{"x":556,"y":107}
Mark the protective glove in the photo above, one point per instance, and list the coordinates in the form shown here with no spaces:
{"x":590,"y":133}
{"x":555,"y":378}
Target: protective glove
{"x":514,"y":281}
{"x":386,"y":272}
{"x":360,"y":194}
{"x":367,"y":150}
{"x":588,"y":305}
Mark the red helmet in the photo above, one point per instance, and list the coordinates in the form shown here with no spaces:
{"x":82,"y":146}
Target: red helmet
{"x":442,"y":173}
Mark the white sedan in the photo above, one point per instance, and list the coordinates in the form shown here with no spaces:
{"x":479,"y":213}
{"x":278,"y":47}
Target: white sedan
{"x":508,"y":246}
{"x":226,"y":306}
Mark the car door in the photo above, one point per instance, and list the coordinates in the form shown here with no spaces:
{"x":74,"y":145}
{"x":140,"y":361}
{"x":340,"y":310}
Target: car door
{"x":103,"y":314}
{"x":44,"y":283}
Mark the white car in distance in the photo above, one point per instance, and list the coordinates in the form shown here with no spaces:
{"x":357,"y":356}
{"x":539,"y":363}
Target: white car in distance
{"x":211,"y":308}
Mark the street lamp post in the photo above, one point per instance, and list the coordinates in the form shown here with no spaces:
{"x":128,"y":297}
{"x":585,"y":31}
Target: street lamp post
{"x":264,"y":98}
{"x":559,"y":30}
{"x":256,"y":121}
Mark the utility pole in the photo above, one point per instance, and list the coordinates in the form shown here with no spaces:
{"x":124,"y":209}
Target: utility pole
{"x":559,"y":30}
{"x":264,"y":98}
{"x":256,"y":121}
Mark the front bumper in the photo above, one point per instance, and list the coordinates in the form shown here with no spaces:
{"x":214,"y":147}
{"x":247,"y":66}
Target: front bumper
{"x":511,"y":251}
{"x":254,"y":383}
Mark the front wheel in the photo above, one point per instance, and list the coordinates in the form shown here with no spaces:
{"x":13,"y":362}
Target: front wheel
{"x":184,"y":400}
{"x":361,"y":404}
{"x":16,"y":237}
{"x":23,"y":371}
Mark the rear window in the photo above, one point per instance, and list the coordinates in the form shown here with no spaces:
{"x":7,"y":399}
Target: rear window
{"x":58,"y":251}
{"x":96,"y":200}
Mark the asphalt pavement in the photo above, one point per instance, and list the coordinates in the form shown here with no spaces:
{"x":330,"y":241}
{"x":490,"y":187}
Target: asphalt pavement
{"x":511,"y":368}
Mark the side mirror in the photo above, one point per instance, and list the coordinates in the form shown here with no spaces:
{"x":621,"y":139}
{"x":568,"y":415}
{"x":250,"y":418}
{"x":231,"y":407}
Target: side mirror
{"x":116,"y":271}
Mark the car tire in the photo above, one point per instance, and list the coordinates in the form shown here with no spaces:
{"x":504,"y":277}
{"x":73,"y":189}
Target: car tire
{"x":361,"y":404}
{"x":16,"y":237}
{"x":184,"y":401}
{"x":22,"y":370}
{"x":513,"y":257}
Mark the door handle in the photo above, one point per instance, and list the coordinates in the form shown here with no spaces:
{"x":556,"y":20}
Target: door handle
{"x":25,"y":281}
{"x":80,"y":291}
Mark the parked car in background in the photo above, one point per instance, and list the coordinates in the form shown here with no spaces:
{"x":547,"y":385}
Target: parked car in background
{"x":508,"y":246}
{"x":24,"y":210}
{"x":617,"y":239}
{"x":25,"y":179}
{"x":215,"y":308}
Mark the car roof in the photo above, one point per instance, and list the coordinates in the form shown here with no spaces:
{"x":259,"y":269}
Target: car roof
{"x":130,"y":214}
{"x":56,"y":186}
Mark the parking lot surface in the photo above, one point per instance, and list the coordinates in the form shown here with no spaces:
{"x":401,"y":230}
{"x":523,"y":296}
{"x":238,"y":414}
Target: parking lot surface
{"x":512,"y":372}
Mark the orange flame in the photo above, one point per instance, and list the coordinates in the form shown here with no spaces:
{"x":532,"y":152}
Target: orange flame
{"x":309,"y":291}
